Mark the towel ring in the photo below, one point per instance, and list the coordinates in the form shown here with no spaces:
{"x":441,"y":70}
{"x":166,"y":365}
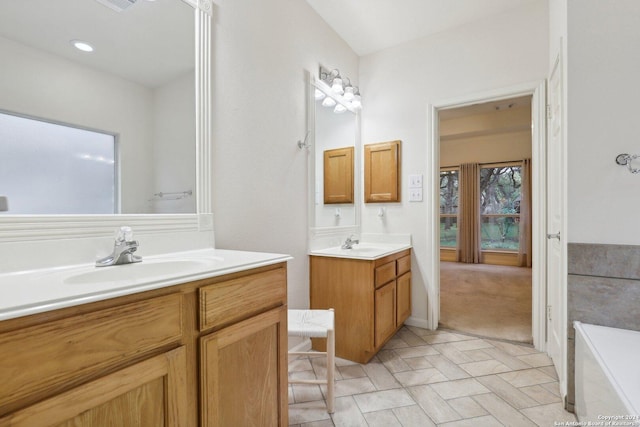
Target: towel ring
{"x":626,"y":159}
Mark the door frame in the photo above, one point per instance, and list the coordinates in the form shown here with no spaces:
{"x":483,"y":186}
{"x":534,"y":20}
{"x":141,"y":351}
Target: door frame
{"x":537,"y":90}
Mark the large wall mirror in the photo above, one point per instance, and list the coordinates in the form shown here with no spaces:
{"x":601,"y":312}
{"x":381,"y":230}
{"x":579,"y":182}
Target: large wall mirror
{"x":335,"y":130}
{"x":143,"y":92}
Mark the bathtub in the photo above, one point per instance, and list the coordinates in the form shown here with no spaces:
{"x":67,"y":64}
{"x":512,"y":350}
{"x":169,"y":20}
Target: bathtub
{"x":607,"y":375}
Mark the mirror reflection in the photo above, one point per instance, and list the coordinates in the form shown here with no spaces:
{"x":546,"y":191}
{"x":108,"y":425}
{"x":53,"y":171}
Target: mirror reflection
{"x":335,"y":141}
{"x":133,"y":84}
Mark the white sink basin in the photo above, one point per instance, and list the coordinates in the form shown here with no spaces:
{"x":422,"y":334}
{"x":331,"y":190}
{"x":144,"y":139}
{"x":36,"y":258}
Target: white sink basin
{"x":138,"y":271}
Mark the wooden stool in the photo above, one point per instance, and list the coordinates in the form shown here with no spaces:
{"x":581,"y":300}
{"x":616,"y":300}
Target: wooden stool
{"x":315,"y":324}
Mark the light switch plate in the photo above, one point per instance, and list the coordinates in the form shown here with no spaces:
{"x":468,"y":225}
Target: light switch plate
{"x":415,"y":194}
{"x":415,"y":181}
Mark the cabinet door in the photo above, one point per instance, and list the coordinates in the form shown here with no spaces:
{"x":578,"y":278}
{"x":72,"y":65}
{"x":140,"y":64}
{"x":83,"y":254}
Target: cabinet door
{"x":150,"y":393}
{"x":244,"y":372}
{"x":403,"y":296}
{"x":338,"y":175}
{"x":382,"y":172}
{"x":385,"y":312}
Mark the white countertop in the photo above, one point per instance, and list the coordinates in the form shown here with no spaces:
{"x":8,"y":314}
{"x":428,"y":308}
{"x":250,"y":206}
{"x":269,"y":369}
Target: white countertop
{"x":364,"y":251}
{"x":28,"y":292}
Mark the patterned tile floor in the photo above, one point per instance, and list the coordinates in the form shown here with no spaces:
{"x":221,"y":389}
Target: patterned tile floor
{"x":433,"y":378}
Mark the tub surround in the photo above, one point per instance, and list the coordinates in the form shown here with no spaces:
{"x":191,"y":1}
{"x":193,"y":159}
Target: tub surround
{"x":607,"y":368}
{"x":35,"y":291}
{"x":603,"y":288}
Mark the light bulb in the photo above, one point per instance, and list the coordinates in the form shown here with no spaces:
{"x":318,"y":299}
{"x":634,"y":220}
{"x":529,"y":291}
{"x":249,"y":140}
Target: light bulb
{"x":356,"y":103}
{"x":83,"y":46}
{"x":328,"y":102}
{"x":348,"y":93}
{"x":339,"y":109}
{"x":319,"y":94}
{"x":336,"y":86}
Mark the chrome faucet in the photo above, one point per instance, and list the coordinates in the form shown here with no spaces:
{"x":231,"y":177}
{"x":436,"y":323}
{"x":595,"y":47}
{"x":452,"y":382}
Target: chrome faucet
{"x":348,"y":244}
{"x":123,"y":250}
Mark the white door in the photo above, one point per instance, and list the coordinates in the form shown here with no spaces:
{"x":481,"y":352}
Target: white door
{"x":555,"y":232}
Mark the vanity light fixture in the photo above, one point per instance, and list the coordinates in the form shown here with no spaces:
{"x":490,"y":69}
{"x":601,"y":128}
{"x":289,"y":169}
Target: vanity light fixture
{"x":346,"y":94}
{"x":80,"y":45}
{"x":339,"y":109}
{"x":319,"y":94}
{"x":357,"y":101}
{"x":336,"y":85}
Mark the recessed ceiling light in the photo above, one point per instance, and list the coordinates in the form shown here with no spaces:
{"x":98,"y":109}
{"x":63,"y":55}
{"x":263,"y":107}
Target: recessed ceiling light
{"x":83,"y":46}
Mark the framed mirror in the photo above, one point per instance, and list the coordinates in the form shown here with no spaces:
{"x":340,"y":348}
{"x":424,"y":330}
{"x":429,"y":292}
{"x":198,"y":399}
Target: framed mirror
{"x":139,"y":82}
{"x":335,"y":158}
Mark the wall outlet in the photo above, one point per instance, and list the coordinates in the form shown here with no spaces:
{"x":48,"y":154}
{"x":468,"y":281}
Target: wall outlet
{"x":415,"y":194}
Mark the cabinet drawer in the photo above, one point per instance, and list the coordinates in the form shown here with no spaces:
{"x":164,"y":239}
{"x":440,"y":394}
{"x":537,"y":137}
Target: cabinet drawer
{"x":404,"y":264}
{"x":385,"y":273}
{"x":237,"y":299}
{"x":41,"y":357}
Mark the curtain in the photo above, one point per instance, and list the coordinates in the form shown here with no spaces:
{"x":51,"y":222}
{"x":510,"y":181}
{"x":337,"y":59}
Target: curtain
{"x":524,"y":254}
{"x":468,"y":248}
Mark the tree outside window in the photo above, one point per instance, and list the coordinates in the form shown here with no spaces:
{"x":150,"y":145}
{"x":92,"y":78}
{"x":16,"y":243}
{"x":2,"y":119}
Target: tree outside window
{"x":448,"y":208}
{"x":500,"y":196}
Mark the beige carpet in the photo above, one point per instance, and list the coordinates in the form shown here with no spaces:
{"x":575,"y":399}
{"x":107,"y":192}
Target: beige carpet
{"x":487,"y":300}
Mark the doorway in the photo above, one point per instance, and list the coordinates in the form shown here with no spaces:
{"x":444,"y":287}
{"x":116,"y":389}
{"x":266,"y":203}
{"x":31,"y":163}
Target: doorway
{"x":536,"y":93}
{"x":485,"y":219}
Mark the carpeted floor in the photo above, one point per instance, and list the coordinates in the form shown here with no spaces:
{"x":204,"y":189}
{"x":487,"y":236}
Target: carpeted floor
{"x":487,"y":300}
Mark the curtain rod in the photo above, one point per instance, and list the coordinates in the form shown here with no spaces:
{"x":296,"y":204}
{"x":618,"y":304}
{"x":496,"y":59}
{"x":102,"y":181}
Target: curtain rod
{"x":488,"y":163}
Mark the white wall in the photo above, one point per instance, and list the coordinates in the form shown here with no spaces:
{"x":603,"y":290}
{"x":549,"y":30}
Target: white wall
{"x":398,"y":83}
{"x":602,"y":120}
{"x":174,"y":146}
{"x":44,"y":86}
{"x":260,"y":186}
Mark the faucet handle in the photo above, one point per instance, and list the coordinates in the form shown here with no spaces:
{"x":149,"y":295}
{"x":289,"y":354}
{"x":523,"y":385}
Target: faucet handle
{"x":124,"y":234}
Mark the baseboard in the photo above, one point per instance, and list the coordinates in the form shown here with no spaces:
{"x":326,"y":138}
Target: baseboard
{"x":417,"y":322}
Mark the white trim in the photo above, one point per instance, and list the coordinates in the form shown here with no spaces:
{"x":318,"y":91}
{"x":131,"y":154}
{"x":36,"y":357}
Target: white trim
{"x":537,"y":90}
{"x":15,"y":228}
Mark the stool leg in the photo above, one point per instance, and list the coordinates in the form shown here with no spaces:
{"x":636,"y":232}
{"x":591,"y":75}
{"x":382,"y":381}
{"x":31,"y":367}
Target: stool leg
{"x":331,"y":366}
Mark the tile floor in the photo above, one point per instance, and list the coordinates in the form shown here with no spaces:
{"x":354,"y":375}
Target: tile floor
{"x":433,"y":378}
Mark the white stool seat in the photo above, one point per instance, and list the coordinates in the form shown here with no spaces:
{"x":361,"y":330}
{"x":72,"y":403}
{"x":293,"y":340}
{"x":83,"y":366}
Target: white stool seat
{"x":315,"y":324}
{"x":310,"y":323}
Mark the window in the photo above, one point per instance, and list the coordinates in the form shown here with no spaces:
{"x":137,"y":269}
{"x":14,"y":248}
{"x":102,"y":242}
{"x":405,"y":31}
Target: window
{"x":500,"y":196}
{"x":448,"y":208}
{"x":48,"y":168}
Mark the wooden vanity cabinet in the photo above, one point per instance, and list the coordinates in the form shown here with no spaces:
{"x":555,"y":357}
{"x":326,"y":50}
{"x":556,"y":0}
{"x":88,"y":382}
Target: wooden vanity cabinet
{"x":171,"y":356}
{"x":372,"y":299}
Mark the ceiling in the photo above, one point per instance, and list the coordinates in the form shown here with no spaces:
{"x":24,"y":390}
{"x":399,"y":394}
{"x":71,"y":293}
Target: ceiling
{"x":372,"y":25}
{"x":150,"y":43}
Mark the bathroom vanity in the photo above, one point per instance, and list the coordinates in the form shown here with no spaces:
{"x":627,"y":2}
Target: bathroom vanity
{"x":370,"y":289}
{"x":204,"y":344}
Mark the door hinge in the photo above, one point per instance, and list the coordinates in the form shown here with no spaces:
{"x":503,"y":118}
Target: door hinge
{"x":549,"y":115}
{"x":549,"y":313}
